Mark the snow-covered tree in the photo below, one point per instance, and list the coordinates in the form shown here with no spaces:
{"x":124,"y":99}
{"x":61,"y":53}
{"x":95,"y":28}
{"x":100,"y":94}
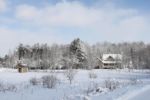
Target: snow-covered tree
{"x":77,"y":50}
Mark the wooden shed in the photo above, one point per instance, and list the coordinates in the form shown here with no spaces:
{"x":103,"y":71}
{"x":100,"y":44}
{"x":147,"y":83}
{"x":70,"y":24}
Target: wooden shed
{"x":22,"y":68}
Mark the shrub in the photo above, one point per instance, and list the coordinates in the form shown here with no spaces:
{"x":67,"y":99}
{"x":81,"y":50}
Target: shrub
{"x":70,"y":74}
{"x":91,"y":88}
{"x":7,"y":87}
{"x":134,"y":81}
{"x":92,"y":75}
{"x":11,"y":88}
{"x":49,"y":81}
{"x":34,"y":81}
{"x":111,"y":84}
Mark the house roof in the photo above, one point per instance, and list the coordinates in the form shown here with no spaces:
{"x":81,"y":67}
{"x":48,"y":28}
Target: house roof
{"x":114,"y":56}
{"x":22,"y":65}
{"x":111,"y":62}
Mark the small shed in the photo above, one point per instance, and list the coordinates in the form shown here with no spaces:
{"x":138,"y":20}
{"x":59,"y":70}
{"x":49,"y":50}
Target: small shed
{"x":22,"y":68}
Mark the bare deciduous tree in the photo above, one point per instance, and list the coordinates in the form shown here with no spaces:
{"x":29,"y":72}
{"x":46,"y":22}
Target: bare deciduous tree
{"x":70,"y":74}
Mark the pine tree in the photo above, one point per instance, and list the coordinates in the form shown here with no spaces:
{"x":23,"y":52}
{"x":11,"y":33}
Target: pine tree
{"x":77,"y":50}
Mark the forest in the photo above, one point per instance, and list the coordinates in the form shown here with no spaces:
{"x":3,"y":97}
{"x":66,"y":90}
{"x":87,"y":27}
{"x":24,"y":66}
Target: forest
{"x":77,"y":54}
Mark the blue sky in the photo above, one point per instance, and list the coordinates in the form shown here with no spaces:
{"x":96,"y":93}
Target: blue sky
{"x":60,"y":21}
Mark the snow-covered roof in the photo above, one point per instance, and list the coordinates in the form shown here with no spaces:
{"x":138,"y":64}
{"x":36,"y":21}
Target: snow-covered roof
{"x":21,"y":64}
{"x":111,"y":62}
{"x":114,"y":56}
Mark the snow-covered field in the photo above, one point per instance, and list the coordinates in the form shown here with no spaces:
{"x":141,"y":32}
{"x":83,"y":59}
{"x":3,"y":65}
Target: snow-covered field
{"x":125,"y":85}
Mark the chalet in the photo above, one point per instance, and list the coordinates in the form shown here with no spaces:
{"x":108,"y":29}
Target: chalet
{"x":110,"y":61}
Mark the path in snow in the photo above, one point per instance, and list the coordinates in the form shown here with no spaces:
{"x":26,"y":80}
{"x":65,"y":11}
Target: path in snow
{"x":141,"y":94}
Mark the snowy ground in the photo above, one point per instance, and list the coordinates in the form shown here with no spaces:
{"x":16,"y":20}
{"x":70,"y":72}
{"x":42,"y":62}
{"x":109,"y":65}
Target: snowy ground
{"x":128,"y":85}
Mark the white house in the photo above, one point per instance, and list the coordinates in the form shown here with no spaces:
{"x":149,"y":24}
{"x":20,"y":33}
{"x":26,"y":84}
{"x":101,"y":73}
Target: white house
{"x":110,"y":61}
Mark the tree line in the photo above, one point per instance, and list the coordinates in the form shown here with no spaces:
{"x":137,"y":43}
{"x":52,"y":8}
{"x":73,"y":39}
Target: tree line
{"x":78,"y":54}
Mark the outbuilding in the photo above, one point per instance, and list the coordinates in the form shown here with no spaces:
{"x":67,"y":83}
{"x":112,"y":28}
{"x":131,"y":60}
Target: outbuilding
{"x":22,"y":68}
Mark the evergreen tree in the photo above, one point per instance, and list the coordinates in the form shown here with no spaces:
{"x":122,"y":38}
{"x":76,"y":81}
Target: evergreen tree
{"x":77,"y":50}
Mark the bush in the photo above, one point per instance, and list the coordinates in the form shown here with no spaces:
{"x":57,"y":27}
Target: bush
{"x":7,"y":87}
{"x":34,"y":81}
{"x":134,"y":81}
{"x":88,"y":90}
{"x":111,"y":84}
{"x":92,"y":75}
{"x":11,"y":88}
{"x":49,"y":81}
{"x":70,"y":74}
{"x":91,"y":88}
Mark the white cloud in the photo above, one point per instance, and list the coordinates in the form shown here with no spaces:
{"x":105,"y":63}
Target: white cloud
{"x":61,"y":14}
{"x":3,"y":5}
{"x":9,"y":38}
{"x":73,"y":14}
{"x":26,"y":12}
{"x":133,"y":25}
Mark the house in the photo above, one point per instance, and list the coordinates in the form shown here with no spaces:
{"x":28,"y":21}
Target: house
{"x":110,"y":61}
{"x":22,"y":68}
